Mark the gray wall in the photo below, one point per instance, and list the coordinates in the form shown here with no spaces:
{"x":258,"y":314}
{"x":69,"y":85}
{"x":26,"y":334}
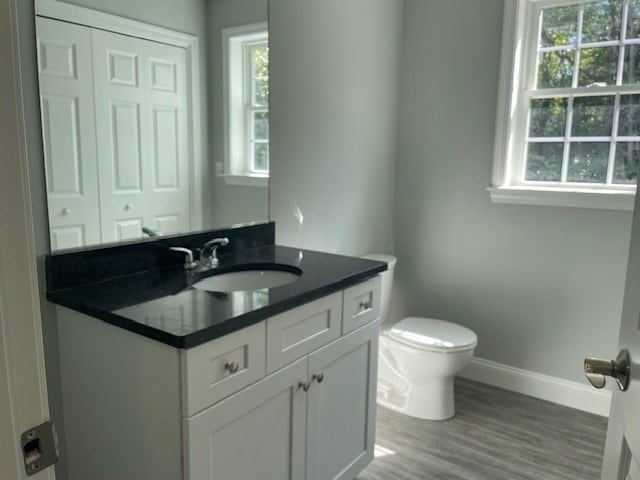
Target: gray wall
{"x":231,"y":204}
{"x":333,"y":94}
{"x":541,"y":286}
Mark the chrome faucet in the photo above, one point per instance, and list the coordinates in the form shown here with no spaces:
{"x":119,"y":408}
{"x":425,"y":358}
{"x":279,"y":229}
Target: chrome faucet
{"x":210,"y":260}
{"x":151,"y":232}
{"x":208,"y":255}
{"x":189,"y":262}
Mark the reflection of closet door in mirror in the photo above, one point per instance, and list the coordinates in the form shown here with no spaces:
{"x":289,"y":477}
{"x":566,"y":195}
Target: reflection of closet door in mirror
{"x":68,"y":132}
{"x":141,"y":112}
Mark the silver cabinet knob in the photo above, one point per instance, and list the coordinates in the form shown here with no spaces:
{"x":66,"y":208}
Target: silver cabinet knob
{"x":66,"y":211}
{"x":364,"y":306}
{"x":304,"y":386}
{"x":128,"y":206}
{"x":232,"y":367}
{"x":597,"y":369}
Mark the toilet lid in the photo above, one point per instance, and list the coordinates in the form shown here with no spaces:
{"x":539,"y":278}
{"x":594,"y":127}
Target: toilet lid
{"x":431,"y":334}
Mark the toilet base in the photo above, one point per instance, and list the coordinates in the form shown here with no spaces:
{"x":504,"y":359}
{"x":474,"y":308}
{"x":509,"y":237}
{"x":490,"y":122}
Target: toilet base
{"x":429,"y":401}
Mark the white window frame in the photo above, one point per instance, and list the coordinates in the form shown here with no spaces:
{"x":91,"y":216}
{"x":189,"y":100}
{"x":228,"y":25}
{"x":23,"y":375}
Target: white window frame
{"x":249,"y":108}
{"x":237,"y":105}
{"x":519,"y":50}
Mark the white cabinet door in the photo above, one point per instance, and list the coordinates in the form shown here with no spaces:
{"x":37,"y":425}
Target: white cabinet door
{"x":141,"y":120}
{"x":258,"y":433}
{"x":68,"y":132}
{"x":342,"y":406}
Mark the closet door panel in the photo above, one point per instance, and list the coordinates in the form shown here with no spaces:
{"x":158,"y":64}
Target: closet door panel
{"x":121,"y":123}
{"x":141,"y":114}
{"x":167,"y":104}
{"x":68,"y":131}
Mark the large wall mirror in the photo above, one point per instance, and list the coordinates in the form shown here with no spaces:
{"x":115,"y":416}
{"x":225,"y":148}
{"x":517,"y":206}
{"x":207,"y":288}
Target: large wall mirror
{"x":154,"y":116}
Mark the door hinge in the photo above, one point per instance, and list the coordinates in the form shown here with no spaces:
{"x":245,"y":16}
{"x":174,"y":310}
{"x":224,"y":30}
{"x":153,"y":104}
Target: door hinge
{"x":39,"y":447}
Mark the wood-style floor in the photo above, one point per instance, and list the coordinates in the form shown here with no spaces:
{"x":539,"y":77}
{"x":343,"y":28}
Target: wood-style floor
{"x":495,"y":435}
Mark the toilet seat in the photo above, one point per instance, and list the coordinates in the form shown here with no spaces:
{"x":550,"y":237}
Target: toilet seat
{"x":432,"y":335}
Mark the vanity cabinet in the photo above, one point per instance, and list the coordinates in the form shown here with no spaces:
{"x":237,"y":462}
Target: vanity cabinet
{"x":291,"y":397}
{"x":312,"y":419}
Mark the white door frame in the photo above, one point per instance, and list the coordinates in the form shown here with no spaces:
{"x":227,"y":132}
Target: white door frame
{"x":23,"y":388}
{"x":105,"y":21}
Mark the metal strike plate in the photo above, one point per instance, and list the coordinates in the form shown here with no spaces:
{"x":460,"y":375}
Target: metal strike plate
{"x":39,"y":448}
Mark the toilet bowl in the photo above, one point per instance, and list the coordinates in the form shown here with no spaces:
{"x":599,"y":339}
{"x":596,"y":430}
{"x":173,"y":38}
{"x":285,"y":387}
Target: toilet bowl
{"x":419,"y":358}
{"x":418,"y":361}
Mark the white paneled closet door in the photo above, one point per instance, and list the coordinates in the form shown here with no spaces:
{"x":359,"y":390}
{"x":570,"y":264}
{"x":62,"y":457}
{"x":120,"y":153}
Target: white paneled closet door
{"x":68,"y":131}
{"x":141,"y":120}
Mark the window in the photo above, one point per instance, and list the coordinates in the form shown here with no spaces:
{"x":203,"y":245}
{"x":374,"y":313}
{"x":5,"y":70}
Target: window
{"x":246,"y":117}
{"x":568,"y":130}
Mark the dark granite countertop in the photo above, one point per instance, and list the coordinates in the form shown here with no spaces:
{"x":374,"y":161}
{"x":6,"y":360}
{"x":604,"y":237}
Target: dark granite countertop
{"x":160,"y":303}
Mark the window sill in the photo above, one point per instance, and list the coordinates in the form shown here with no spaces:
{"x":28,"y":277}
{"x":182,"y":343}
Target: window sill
{"x":569,"y":197}
{"x":246,"y":180}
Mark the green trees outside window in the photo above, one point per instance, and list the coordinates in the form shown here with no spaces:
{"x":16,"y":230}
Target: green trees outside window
{"x":584,"y":110}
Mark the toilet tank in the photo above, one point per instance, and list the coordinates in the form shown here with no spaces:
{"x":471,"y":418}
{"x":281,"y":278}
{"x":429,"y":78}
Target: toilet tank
{"x":387,"y":281}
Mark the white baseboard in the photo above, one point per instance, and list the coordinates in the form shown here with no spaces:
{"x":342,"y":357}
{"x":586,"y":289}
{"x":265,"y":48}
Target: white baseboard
{"x":553,"y":389}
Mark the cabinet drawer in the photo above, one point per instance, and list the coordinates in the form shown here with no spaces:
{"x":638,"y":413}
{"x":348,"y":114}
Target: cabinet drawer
{"x":217,"y":369}
{"x":361,"y":304}
{"x":297,"y":332}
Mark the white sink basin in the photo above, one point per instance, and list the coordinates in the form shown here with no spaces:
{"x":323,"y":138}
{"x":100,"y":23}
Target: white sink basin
{"x":246,"y":280}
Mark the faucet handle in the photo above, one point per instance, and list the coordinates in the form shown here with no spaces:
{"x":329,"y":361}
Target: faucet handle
{"x":189,"y":262}
{"x":218,"y":242}
{"x":211,"y":260}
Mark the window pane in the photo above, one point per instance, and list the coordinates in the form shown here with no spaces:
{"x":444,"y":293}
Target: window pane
{"x":588,"y":162}
{"x":544,"y":162}
{"x":598,"y":65}
{"x":592,"y":116}
{"x":629,"y":120}
{"x":261,"y":125}
{"x":631,"y":70}
{"x":261,"y":61}
{"x":260,"y":56}
{"x":633,"y":21}
{"x":548,"y":117}
{"x":555,"y":69}
{"x":601,"y":21}
{"x":261,"y":157}
{"x":559,"y":26}
{"x":261,"y":93}
{"x":626,"y":166}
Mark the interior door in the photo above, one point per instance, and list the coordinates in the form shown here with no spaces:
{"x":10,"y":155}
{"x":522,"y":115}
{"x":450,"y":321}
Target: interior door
{"x":23,"y":390}
{"x":141,"y":120}
{"x":622,"y":449}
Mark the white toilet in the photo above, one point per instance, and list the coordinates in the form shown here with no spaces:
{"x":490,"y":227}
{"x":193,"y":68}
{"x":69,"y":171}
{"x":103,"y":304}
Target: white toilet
{"x":419,"y":358}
